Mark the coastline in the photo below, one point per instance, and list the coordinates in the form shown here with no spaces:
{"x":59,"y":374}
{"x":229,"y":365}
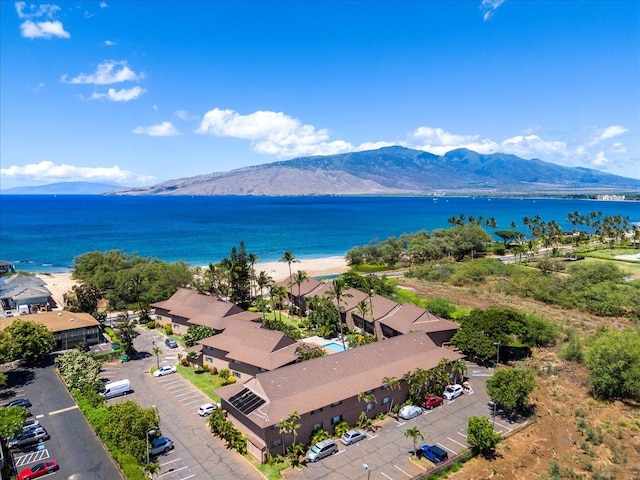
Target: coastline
{"x":60,"y":283}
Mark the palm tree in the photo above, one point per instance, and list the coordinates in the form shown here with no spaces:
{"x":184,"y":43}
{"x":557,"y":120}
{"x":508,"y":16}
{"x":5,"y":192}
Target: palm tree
{"x":363,"y":309}
{"x":289,"y":425}
{"x":299,"y":278}
{"x":288,"y":257}
{"x":263,"y":281}
{"x":252,"y":258}
{"x":459,"y":369}
{"x":157,"y":351}
{"x":391,"y":383}
{"x":414,"y":434}
{"x":277,"y":293}
{"x":339,"y":292}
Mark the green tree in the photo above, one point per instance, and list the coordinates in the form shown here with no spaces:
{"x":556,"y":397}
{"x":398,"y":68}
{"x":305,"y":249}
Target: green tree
{"x":156,"y":351}
{"x":510,"y":387}
{"x":614,"y":364}
{"x":3,"y":379}
{"x":391,"y":384}
{"x":414,"y":434}
{"x":288,"y":257}
{"x":195,"y":333}
{"x":459,"y":369}
{"x":481,"y":436}
{"x":11,"y":421}
{"x":126,"y":426}
{"x":338,"y":291}
{"x":83,"y":298}
{"x":27,"y":340}
{"x":79,"y":370}
{"x":289,"y":425}
{"x":298,"y":279}
{"x":125,"y":328}
{"x":307,"y":352}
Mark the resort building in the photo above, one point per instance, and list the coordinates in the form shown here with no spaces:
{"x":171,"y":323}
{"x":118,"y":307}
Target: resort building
{"x":324,"y":391}
{"x":69,"y":329}
{"x":188,"y":307}
{"x":24,"y":293}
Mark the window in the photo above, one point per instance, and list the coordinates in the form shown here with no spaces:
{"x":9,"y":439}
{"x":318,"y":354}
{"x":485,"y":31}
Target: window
{"x":369,"y":392}
{"x":336,"y":420}
{"x":235,"y":374}
{"x":277,"y":442}
{"x":208,"y":359}
{"x":337,"y":403}
{"x":236,"y":361}
{"x":313,"y":412}
{"x":385,"y":400}
{"x":316,"y":427}
{"x":263,"y":369}
{"x":369,"y":407}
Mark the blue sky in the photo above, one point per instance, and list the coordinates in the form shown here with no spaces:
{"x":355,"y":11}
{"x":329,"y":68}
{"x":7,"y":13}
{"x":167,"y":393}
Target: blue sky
{"x":140,"y":92}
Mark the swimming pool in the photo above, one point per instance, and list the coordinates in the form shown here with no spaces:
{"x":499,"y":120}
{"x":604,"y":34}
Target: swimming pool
{"x":336,"y":347}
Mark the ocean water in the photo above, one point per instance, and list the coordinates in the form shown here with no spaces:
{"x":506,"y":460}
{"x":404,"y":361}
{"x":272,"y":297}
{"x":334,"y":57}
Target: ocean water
{"x":44,"y":233}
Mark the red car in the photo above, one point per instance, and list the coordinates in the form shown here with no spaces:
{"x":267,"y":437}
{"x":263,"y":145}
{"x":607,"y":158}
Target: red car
{"x":431,"y":402}
{"x":38,"y":470}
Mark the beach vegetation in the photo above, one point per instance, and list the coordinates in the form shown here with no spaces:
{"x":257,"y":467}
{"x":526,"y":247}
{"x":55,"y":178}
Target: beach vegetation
{"x":25,"y":340}
{"x":126,"y":280}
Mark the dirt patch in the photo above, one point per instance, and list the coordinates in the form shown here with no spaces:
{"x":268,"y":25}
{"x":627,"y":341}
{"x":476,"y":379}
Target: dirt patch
{"x":574,"y":436}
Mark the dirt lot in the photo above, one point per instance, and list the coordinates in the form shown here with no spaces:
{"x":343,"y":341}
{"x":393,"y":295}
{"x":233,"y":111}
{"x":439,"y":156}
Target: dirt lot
{"x":575,"y":436}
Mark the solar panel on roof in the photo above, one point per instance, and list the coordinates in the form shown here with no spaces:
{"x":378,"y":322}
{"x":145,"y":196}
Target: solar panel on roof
{"x":246,"y":401}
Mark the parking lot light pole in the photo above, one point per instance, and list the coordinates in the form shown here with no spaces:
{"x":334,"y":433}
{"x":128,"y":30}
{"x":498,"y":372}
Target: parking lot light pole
{"x":150,"y":432}
{"x":497,"y":345}
{"x":366,"y":467}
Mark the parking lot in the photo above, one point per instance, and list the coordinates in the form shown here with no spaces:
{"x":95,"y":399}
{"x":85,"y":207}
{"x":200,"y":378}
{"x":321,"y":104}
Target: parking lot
{"x":197,"y":453}
{"x":72,"y":443}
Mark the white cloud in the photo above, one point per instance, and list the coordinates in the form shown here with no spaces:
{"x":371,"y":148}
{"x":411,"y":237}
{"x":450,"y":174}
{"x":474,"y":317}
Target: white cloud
{"x":122,"y":95}
{"x":600,"y":159}
{"x":438,"y":141}
{"x":30,"y":29}
{"x":184,"y":115}
{"x":107,"y":72}
{"x":489,"y":7}
{"x":272,"y":133}
{"x":164,"y":129}
{"x":109,"y":43}
{"x":104,"y":5}
{"x":618,"y":147}
{"x":40,"y":29}
{"x":612,"y":131}
{"x":49,"y":171}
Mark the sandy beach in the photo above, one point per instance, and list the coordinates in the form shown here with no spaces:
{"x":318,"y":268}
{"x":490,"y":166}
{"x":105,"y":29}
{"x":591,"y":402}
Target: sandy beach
{"x":60,"y":283}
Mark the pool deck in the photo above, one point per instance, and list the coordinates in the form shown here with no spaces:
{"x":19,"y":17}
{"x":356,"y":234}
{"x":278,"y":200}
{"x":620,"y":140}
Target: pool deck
{"x":321,"y":342}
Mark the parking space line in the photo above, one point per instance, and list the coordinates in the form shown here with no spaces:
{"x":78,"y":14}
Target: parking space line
{"x":403,"y":471}
{"x":386,"y":475}
{"x":169,"y":382}
{"x":447,"y":448}
{"x":62,"y":410}
{"x":169,"y":462}
{"x":172,"y":471}
{"x":31,"y":457}
{"x":185,"y":478}
{"x":462,"y":445}
{"x":504,"y":426}
{"x":460,"y":433}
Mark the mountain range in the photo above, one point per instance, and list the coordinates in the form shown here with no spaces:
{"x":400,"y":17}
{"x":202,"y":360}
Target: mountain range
{"x":396,"y":171}
{"x":385,"y":171}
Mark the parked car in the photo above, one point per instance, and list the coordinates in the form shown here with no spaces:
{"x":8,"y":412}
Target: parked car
{"x":19,"y":402}
{"x":432,"y":402}
{"x":115,"y":346}
{"x":8,"y":313}
{"x":452,"y":391}
{"x":433,"y":453}
{"x":29,"y":424}
{"x":321,"y":449}
{"x":171,"y":343}
{"x":165,"y":370}
{"x":38,"y":470}
{"x":409,"y":411}
{"x":160,"y":445}
{"x":352,"y":436}
{"x":207,"y":408}
{"x":28,"y":438}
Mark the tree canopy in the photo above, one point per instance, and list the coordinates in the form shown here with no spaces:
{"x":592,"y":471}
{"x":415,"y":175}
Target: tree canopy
{"x":481,"y":436}
{"x":26,"y":340}
{"x":510,"y":388}
{"x":614,"y":364}
{"x":79,"y":370}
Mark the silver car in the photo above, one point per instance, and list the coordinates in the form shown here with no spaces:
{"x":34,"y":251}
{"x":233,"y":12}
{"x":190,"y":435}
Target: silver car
{"x":352,"y":436}
{"x":409,"y":411}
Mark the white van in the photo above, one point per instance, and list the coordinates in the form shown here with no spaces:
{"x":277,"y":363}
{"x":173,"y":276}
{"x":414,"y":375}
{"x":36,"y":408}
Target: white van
{"x":115,"y":389}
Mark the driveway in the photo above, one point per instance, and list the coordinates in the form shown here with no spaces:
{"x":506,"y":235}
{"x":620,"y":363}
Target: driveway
{"x":197,"y":453}
{"x":73,"y":443}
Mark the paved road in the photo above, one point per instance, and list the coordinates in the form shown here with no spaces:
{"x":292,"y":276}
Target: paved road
{"x":197,"y":453}
{"x":73,"y":443}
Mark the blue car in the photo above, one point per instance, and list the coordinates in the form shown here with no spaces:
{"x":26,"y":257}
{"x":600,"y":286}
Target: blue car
{"x":433,"y":453}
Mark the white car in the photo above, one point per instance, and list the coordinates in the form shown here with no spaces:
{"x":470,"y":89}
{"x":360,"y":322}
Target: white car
{"x":352,"y":436}
{"x":409,"y":411}
{"x":452,"y":391}
{"x":207,"y":408}
{"x":166,"y":370}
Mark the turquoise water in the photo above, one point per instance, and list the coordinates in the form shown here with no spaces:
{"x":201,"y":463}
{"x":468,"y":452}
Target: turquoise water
{"x":45,"y":233}
{"x":336,"y":347}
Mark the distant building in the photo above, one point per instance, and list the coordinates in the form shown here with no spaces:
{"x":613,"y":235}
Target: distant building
{"x":20,"y":289}
{"x":614,"y":198}
{"x":6,"y":267}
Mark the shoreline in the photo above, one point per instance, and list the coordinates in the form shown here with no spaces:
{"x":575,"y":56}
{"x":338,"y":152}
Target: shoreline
{"x":60,"y":283}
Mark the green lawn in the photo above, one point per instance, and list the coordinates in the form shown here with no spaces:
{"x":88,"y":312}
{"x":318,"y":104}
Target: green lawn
{"x":202,"y":380}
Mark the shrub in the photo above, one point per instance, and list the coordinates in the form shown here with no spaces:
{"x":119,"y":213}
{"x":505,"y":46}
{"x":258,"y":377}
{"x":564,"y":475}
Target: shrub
{"x":151,"y":324}
{"x":168,"y":328}
{"x":341,"y":428}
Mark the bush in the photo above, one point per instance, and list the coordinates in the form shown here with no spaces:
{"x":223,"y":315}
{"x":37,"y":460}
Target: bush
{"x":151,"y":324}
{"x":168,"y":328}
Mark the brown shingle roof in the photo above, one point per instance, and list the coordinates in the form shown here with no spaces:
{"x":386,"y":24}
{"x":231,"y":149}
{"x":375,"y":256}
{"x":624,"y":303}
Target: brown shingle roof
{"x":409,"y":317}
{"x":220,"y":323}
{"x":319,"y":382}
{"x":188,"y":303}
{"x":254,"y":345}
{"x":57,"y":321}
